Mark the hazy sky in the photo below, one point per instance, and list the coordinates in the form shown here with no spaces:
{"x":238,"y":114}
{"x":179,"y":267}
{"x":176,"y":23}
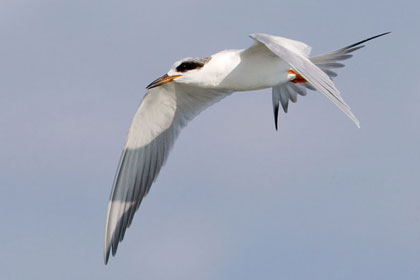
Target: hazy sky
{"x":318,"y":199}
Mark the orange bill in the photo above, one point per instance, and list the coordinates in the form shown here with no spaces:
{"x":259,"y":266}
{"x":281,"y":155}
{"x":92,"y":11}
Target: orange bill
{"x":162,"y":80}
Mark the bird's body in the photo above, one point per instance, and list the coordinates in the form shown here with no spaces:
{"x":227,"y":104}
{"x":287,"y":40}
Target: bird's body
{"x":240,"y":70}
{"x":192,"y":85}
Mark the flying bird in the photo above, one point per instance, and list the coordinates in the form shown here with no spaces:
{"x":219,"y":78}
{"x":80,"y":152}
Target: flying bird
{"x":192,"y":85}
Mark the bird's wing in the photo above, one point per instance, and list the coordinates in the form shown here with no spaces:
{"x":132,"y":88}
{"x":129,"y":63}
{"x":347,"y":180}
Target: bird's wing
{"x":330,"y":60}
{"x":163,"y":112}
{"x":299,"y":61}
{"x":326,"y":62}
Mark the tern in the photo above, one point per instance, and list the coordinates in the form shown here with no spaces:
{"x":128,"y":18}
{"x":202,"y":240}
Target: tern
{"x":192,"y":85}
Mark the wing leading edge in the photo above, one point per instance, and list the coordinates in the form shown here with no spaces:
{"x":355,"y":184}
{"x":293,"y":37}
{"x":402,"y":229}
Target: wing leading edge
{"x":163,"y":112}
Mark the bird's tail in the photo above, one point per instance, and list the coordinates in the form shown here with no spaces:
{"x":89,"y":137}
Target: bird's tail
{"x":326,"y":62}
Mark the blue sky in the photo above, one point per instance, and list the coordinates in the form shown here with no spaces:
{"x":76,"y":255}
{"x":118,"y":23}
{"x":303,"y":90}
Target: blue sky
{"x":318,"y":199}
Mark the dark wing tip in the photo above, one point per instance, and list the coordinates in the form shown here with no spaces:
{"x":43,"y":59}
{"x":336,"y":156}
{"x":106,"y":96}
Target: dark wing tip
{"x":106,"y":256}
{"x":276,"y":115}
{"x":377,"y":36}
{"x":368,"y":39}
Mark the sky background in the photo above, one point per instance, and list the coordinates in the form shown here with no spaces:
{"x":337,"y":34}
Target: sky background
{"x":317,"y":199}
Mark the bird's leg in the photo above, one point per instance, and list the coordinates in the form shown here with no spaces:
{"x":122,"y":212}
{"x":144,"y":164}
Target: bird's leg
{"x":295,"y":77}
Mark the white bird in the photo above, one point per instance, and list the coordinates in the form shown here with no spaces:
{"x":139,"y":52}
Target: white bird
{"x":192,"y":85}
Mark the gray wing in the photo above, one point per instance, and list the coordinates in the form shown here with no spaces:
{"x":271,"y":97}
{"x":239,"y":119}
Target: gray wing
{"x":163,"y":112}
{"x":329,"y":61}
{"x":326,"y":62}
{"x":299,"y":61}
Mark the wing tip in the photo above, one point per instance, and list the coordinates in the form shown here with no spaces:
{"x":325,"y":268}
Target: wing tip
{"x":106,"y":256}
{"x":108,"y":236}
{"x":377,"y":36}
{"x":111,"y":246}
{"x":107,"y":247}
{"x":276,"y":115}
{"x":353,"y":118}
{"x":385,"y":33}
{"x":368,"y":39}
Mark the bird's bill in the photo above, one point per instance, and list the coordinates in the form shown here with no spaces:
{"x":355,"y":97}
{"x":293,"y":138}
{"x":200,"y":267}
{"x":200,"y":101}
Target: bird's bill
{"x":162,"y":80}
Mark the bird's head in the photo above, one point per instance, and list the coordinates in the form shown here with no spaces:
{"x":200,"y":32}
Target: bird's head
{"x":187,"y":71}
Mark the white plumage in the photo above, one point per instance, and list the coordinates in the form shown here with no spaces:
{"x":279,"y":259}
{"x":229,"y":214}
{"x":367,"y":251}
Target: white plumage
{"x":191,"y":86}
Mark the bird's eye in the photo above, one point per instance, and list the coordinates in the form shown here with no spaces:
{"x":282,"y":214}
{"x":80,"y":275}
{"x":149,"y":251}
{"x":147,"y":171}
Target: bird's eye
{"x":189,"y":65}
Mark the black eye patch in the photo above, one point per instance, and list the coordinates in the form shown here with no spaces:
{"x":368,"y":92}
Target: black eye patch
{"x":189,"y":65}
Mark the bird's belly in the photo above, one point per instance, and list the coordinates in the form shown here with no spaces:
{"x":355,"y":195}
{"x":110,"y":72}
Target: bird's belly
{"x":257,"y":73}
